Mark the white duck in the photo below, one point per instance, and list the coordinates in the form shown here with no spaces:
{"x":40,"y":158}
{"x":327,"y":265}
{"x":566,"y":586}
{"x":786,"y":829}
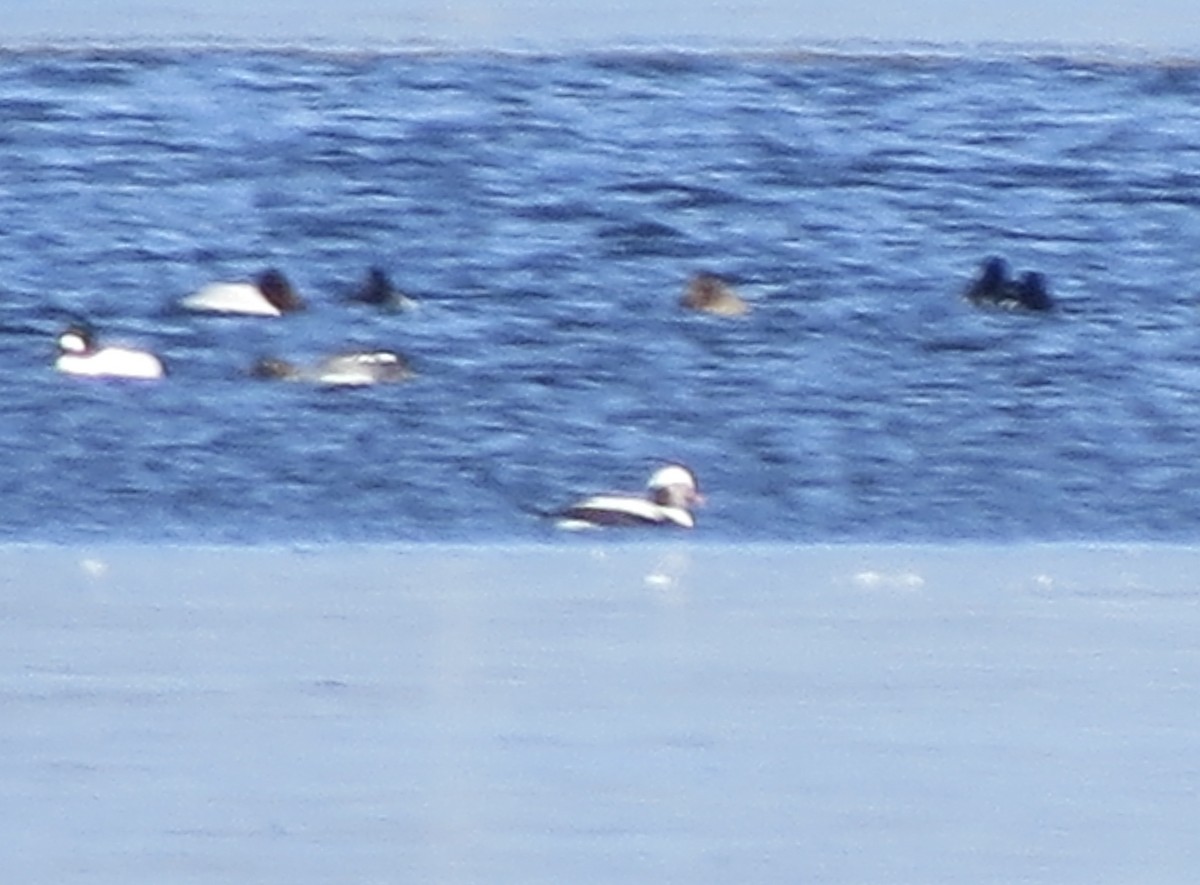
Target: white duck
{"x":671,"y":493}
{"x":270,"y":294}
{"x":79,"y":354}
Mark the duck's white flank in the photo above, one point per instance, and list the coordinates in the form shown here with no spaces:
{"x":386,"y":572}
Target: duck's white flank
{"x":241,"y":298}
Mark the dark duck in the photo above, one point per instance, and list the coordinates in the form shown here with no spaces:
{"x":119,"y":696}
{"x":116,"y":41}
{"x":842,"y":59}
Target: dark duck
{"x":995,"y":287}
{"x":377,"y":290}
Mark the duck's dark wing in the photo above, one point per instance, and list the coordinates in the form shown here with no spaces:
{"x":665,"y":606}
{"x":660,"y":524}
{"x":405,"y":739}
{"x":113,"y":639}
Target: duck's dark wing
{"x":622,"y":511}
{"x":605,"y":518}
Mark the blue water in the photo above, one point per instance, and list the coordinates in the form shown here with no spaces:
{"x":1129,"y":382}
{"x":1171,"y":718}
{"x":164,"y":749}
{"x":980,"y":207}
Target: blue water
{"x":546,"y":210}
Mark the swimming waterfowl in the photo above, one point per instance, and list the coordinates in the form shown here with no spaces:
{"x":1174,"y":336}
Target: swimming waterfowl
{"x":994,"y":287}
{"x":270,"y":294}
{"x":377,"y":291}
{"x":709,"y":293}
{"x":350,"y":369}
{"x":671,"y":493}
{"x":79,"y":354}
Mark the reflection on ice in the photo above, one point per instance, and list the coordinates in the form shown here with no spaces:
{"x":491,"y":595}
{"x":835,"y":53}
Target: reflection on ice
{"x":897,"y":580}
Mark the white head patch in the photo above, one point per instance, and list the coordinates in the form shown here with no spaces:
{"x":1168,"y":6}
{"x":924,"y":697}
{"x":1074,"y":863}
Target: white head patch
{"x":672,"y":475}
{"x":73,"y":341}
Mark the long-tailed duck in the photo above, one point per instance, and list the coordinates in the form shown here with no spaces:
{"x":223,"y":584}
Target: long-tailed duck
{"x":79,"y":354}
{"x":350,"y":369}
{"x":709,"y":293}
{"x":994,"y":287}
{"x":671,"y":492}
{"x":269,"y":295}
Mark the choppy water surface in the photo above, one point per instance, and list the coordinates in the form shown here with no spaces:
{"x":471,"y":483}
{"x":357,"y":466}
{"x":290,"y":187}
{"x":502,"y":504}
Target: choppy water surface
{"x":546,"y":211}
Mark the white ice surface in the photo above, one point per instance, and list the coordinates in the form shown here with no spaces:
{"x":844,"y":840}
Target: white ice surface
{"x":666,"y":713}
